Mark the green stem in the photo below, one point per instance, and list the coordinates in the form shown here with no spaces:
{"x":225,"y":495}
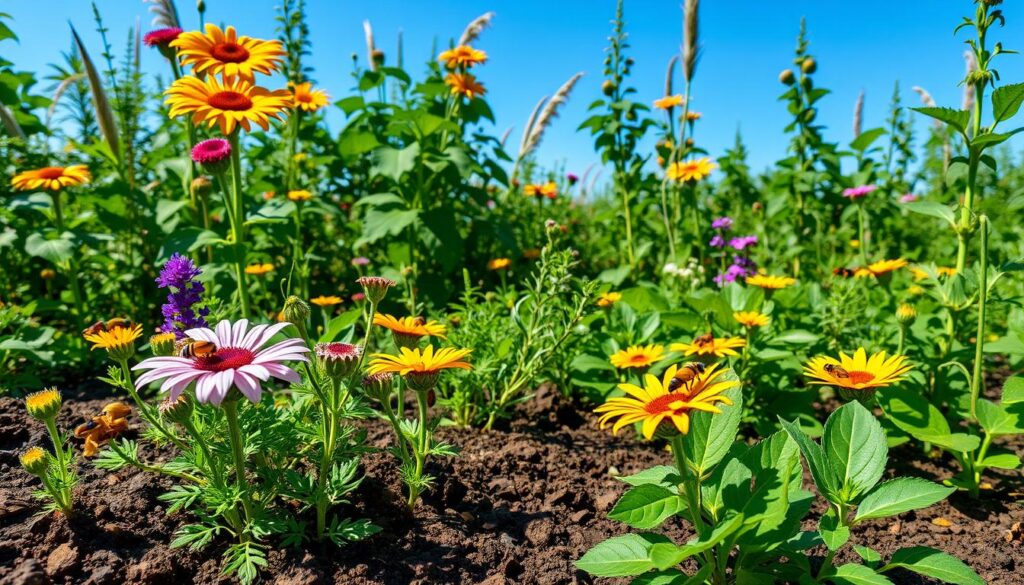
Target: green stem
{"x":72,"y":265}
{"x":862,"y":220}
{"x":979,"y":347}
{"x":238,"y":223}
{"x":902,"y":340}
{"x":211,"y":465}
{"x":63,"y":462}
{"x":147,"y":411}
{"x":237,"y":450}
{"x":330,"y":438}
{"x":628,"y":215}
{"x":423,"y":445}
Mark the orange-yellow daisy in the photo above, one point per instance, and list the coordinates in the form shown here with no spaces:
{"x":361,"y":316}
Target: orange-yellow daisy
{"x":607,"y":299}
{"x":51,"y":178}
{"x":408,"y":330}
{"x":637,"y":356}
{"x":464,"y":84}
{"x":299,"y":195}
{"x":420,"y":369}
{"x":654,"y":402}
{"x":668,"y":102}
{"x":751,"y":318}
{"x":115,"y":339}
{"x":326,"y":301}
{"x":259,"y":269}
{"x":307,"y":99}
{"x":692,"y":116}
{"x":223,"y":52}
{"x":857,"y":373}
{"x":770,"y":282}
{"x":462,"y":56}
{"x":690,"y":170}
{"x":227,"y":104}
{"x":549,"y":190}
{"x":886,"y":266}
{"x":710,"y":345}
{"x":499,"y":264}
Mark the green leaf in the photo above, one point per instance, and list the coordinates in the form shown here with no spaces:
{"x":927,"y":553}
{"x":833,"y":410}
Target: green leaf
{"x":855,"y":447}
{"x":381,"y":222}
{"x":1006,"y":101}
{"x":664,"y":475}
{"x":56,"y":251}
{"x":1000,"y":420}
{"x":667,"y":554}
{"x":935,"y":564}
{"x":355,"y":143}
{"x":898,"y":496}
{"x":823,"y":475}
{"x":870,"y":555}
{"x":933,"y":209}
{"x":647,"y":506}
{"x":394,"y":163}
{"x":832,"y":532}
{"x":796,"y":337}
{"x":866,"y":138}
{"x":711,"y":435}
{"x":993,"y":138}
{"x":854,"y":574}
{"x":1013,"y":390}
{"x":957,"y":119}
{"x":1001,"y":461}
{"x":621,"y":556}
{"x":910,"y":412}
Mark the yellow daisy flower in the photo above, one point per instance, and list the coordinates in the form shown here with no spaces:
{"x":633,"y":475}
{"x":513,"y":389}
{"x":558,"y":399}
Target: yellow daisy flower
{"x":299,"y":195}
{"x":751,"y":318}
{"x":654,"y":402}
{"x":499,"y":264}
{"x":637,"y":356}
{"x":259,"y":269}
{"x":227,"y":104}
{"x":115,"y":339}
{"x":607,"y":299}
{"x":218,"y":52}
{"x":770,"y":282}
{"x":307,"y":99}
{"x":886,"y":266}
{"x":420,"y":369}
{"x":326,"y":301}
{"x":462,"y":56}
{"x":858,"y":372}
{"x":35,"y":461}
{"x":464,"y":84}
{"x":409,"y":330}
{"x":51,"y":178}
{"x":668,"y":102}
{"x":43,"y":405}
{"x":693,"y":116}
{"x":690,"y":170}
{"x":708,"y":344}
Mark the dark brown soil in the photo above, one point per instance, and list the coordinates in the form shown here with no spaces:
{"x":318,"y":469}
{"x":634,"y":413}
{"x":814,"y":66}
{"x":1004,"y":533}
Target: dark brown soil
{"x":519,"y":505}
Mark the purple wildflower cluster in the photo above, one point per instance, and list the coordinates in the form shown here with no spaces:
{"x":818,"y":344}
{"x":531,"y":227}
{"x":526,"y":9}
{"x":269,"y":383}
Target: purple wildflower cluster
{"x":742,"y":265}
{"x":179,"y":312}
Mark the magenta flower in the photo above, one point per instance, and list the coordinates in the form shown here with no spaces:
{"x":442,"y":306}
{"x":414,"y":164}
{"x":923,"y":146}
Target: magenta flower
{"x":360,"y":261}
{"x":572,"y":178}
{"x":161,"y":37}
{"x":743,"y":242}
{"x":858,"y":192}
{"x":717,"y":241}
{"x":214,"y":155}
{"x":722,"y":223}
{"x":240,"y":361}
{"x":908,"y":198}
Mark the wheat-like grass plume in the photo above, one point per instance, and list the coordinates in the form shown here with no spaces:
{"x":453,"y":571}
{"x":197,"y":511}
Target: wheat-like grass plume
{"x":370,"y":45}
{"x":528,"y":129}
{"x":476,"y":27}
{"x":59,"y":93}
{"x":548,"y":114}
{"x":858,"y":115}
{"x":505,"y":135}
{"x":691,"y":39}
{"x":670,"y":74}
{"x":104,"y":113}
{"x":165,"y":13}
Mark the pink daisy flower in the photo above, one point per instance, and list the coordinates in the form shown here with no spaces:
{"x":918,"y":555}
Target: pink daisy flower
{"x":858,"y":192}
{"x":908,"y":198}
{"x":240,"y":361}
{"x":161,"y":37}
{"x":213,"y":154}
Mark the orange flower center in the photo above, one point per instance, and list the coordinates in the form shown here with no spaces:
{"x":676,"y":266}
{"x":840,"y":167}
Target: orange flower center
{"x":230,"y":100}
{"x":671,"y":402}
{"x":861,"y":377}
{"x":51,"y":173}
{"x":229,"y":53}
{"x":224,"y":358}
{"x":304,"y":98}
{"x":638,"y":358}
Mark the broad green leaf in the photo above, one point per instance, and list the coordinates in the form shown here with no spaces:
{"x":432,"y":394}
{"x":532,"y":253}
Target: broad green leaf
{"x":796,"y":337}
{"x":711,"y":435}
{"x":647,"y":506}
{"x":393,"y":163}
{"x":935,"y":564}
{"x":1001,"y":461}
{"x":854,"y":574}
{"x":57,"y":251}
{"x":1006,"y":101}
{"x":1013,"y":390}
{"x":993,"y":138}
{"x":898,"y":496}
{"x":621,"y":556}
{"x":915,"y":415}
{"x":999,"y":420}
{"x":868,"y":554}
{"x":833,"y":534}
{"x":351,"y":144}
{"x":932,"y":208}
{"x":664,"y":475}
{"x":822,"y":473}
{"x":866,"y":138}
{"x":381,"y":222}
{"x":958,"y":119}
{"x":667,"y":554}
{"x":855,"y":447}
{"x":666,"y":577}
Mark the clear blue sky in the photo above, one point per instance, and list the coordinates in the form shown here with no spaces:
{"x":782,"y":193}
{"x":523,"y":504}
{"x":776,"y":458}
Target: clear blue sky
{"x":534,"y":46}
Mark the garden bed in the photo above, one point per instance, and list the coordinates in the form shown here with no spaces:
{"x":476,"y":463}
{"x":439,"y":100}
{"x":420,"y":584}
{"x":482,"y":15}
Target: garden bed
{"x":518,"y":505}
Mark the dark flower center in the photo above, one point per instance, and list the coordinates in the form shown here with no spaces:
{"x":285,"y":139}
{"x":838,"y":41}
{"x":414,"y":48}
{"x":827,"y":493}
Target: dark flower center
{"x":229,"y":53}
{"x":665,"y":403}
{"x":861,"y":377}
{"x":230,"y":100}
{"x":51,"y":172}
{"x":225,"y":358}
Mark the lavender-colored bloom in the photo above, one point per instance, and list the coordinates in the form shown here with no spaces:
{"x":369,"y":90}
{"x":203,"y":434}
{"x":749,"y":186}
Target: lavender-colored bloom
{"x":179,"y":312}
{"x":908,"y":198}
{"x":722,"y":223}
{"x":742,"y":242}
{"x":741,"y":267}
{"x":360,"y":261}
{"x":858,"y":192}
{"x":717,"y":241}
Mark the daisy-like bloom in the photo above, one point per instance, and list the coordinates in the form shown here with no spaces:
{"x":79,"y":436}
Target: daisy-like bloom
{"x":118,"y":341}
{"x":44,"y":404}
{"x":654,"y":402}
{"x":218,"y":52}
{"x":308,"y":99}
{"x":326,"y":301}
{"x":374,"y":287}
{"x":360,"y":261}
{"x":228,"y":104}
{"x":51,"y":178}
{"x":770,"y":282}
{"x":858,"y":376}
{"x":881,"y":267}
{"x":241,"y":361}
{"x":668,"y":102}
{"x":299,"y":195}
{"x":859,"y":192}
{"x":751,"y":319}
{"x":464,"y":84}
{"x":637,"y":356}
{"x":259,"y":269}
{"x":607,"y":299}
{"x":946,"y":271}
{"x":420,"y":369}
{"x":462,"y":56}
{"x":549,"y":190}
{"x":499,"y":264}
{"x":214,"y":155}
{"x":409,"y":330}
{"x":161,"y":37}
{"x":692,"y":116}
{"x":163,"y":343}
{"x":35,"y":461}
{"x":710,"y":345}
{"x":690,"y":170}
{"x":338,"y":360}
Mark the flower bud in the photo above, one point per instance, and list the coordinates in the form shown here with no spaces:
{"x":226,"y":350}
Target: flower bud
{"x":375,"y":287}
{"x":163,"y":344}
{"x":177,"y":410}
{"x":809,"y":66}
{"x":608,"y":87}
{"x":200,"y":6}
{"x":296,"y":311}
{"x":377,"y":56}
{"x":378,"y":386}
{"x":47,"y":274}
{"x":906,"y":315}
{"x":43,"y":405}
{"x":338,"y":360}
{"x":787,"y":77}
{"x":422,"y":381}
{"x":214,"y":155}
{"x":201,"y":187}
{"x":35,"y":461}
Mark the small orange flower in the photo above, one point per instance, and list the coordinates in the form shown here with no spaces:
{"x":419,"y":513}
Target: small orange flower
{"x":462,"y":56}
{"x":308,"y":99}
{"x":258,"y":269}
{"x":464,"y":84}
{"x":499,"y":264}
{"x":668,"y":102}
{"x":690,"y":170}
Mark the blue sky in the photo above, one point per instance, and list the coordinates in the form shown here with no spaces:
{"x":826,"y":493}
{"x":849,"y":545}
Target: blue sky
{"x":534,"y":46}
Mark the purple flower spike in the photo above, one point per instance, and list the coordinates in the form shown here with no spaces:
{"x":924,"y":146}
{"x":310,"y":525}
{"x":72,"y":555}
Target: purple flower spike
{"x":179,"y":312}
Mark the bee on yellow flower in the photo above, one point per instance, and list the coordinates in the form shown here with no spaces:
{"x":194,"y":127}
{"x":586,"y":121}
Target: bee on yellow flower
{"x":607,"y":299}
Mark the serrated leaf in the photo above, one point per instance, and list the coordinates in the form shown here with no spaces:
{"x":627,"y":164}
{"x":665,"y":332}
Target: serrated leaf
{"x":832,"y":533}
{"x":1006,"y":101}
{"x":900,"y":495}
{"x":958,"y":119}
{"x":822,"y":473}
{"x":711,"y":435}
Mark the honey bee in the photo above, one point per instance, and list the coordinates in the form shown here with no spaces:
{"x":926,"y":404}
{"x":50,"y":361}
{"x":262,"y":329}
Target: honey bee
{"x":836,"y":371}
{"x":99,"y":326}
{"x":686,"y":373}
{"x":704,"y":339}
{"x":110,"y":423}
{"x":844,"y":272}
{"x":191,"y":348}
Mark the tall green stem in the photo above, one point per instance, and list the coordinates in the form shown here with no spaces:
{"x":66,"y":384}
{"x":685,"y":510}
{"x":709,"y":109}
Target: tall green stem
{"x":72,"y":272}
{"x":238,"y":223}
{"x":238,"y":451}
{"x":979,"y":346}
{"x":422,"y":447}
{"x":63,"y":495}
{"x":862,"y":220}
{"x":330,"y":438}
